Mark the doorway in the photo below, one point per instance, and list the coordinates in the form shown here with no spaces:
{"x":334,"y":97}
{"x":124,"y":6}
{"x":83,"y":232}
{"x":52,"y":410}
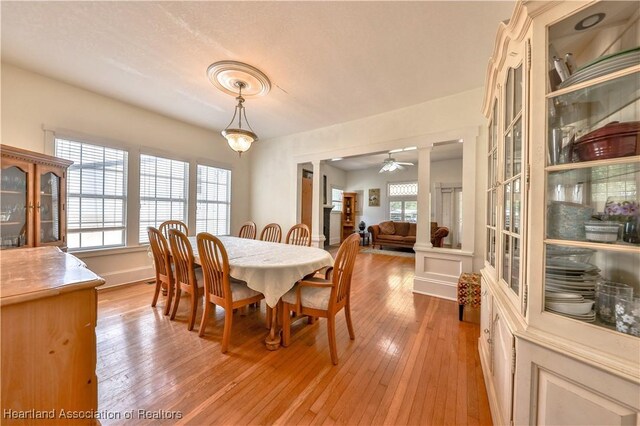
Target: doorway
{"x":306,"y":199}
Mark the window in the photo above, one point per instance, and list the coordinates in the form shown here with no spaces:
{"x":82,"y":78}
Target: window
{"x":403,"y":201}
{"x":164,"y":185}
{"x":213,"y":200}
{"x":336,"y":199}
{"x":96,"y":195}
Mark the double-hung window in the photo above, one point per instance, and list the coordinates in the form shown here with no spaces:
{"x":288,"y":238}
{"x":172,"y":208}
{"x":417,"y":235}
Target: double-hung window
{"x":213,"y":193}
{"x":336,"y":199}
{"x":403,"y":201}
{"x":96,"y":191}
{"x":164,"y":186}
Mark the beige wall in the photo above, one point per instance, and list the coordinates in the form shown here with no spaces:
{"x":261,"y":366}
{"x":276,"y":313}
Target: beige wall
{"x":30,"y":101}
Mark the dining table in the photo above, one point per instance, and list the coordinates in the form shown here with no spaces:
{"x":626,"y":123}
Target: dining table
{"x":270,"y":268}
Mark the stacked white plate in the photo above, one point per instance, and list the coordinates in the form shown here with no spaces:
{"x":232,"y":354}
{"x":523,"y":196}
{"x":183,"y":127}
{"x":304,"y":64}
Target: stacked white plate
{"x":604,"y":65}
{"x":578,"y":279}
{"x":570,"y":305}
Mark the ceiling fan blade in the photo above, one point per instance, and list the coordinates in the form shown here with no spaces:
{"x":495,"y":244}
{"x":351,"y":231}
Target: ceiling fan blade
{"x":405,"y":164}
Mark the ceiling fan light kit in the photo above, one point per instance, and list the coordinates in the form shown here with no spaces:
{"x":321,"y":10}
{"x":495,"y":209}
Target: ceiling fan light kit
{"x":236,"y":78}
{"x":391,"y":165}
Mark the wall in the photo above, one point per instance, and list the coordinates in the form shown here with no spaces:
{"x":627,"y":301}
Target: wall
{"x":370,"y":178}
{"x":30,"y":101}
{"x":275,"y":160}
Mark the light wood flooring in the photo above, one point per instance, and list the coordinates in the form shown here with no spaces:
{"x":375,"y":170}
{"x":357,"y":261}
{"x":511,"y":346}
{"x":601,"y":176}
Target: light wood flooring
{"x":412,"y":362}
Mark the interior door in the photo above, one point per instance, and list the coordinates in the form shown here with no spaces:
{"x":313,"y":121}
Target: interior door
{"x":306,"y":201}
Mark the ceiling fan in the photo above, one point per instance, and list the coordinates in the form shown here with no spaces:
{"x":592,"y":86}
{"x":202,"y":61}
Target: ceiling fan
{"x":390,"y":165}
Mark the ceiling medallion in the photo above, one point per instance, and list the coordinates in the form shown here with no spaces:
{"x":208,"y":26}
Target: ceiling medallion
{"x":237,"y":78}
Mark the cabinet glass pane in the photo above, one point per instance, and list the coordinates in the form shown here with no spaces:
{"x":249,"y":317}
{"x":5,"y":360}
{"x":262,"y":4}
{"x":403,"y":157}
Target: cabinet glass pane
{"x":515,"y":265}
{"x":491,"y":247}
{"x":518,"y":83}
{"x":597,"y":204}
{"x":506,"y":258}
{"x":515,"y":206}
{"x":508,"y":159}
{"x":578,"y":114}
{"x":507,"y":206}
{"x":517,"y":147}
{"x":596,"y":286}
{"x":13,"y":207}
{"x":508,"y":100}
{"x":49,"y":208}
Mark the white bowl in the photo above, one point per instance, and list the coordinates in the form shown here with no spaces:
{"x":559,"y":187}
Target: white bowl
{"x":571,"y":308}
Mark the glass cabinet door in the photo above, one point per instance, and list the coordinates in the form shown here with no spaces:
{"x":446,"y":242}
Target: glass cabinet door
{"x":592,"y":220}
{"x":14,"y":204}
{"x":511,"y":233}
{"x":49,"y":208}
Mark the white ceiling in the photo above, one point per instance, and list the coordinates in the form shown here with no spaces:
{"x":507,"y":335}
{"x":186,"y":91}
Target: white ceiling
{"x":329,"y":62}
{"x":448,"y":151}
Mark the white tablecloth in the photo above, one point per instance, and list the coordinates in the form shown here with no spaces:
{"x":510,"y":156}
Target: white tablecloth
{"x":270,"y":268}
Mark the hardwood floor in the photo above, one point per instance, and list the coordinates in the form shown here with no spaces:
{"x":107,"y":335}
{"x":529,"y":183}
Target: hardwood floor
{"x":412,"y":362}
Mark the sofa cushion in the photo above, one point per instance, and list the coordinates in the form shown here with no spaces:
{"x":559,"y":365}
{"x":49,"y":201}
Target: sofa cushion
{"x":412,"y":230}
{"x":402,"y":228}
{"x":409,"y":239}
{"x":387,"y":228}
{"x":394,"y":238}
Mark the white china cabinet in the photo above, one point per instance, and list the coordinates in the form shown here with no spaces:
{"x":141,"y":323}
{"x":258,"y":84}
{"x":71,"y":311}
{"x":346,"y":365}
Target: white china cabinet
{"x":560,"y":328}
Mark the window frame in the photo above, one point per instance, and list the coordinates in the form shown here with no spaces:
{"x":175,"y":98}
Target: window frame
{"x":124,"y":197}
{"x":186,"y":191}
{"x":402,"y":199}
{"x":229,"y":194}
{"x":337,"y":204}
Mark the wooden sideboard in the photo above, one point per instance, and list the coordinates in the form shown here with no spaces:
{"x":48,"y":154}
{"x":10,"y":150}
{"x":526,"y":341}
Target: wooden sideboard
{"x":48,"y":306}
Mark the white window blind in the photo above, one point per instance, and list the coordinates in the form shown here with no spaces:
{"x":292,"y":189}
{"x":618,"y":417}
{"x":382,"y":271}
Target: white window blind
{"x":163,"y":192}
{"x":96,"y":194}
{"x":213,"y":200}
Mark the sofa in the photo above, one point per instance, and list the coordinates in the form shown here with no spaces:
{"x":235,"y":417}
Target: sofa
{"x":403,"y":234}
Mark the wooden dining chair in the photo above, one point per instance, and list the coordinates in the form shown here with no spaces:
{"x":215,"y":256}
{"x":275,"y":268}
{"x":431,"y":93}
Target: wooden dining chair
{"x":248,"y":230}
{"x":219,"y":288}
{"x":173,"y":224}
{"x":187,"y":279}
{"x":299,"y":235}
{"x":162,"y":265}
{"x":317,"y":297}
{"x":272,"y":232}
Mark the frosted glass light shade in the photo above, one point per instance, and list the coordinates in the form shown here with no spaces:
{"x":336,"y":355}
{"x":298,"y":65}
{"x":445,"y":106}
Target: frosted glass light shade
{"x":239,"y":140}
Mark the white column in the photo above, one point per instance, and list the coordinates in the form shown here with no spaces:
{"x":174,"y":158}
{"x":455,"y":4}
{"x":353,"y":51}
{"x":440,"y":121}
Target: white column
{"x":423,"y":231}
{"x":317,"y":236}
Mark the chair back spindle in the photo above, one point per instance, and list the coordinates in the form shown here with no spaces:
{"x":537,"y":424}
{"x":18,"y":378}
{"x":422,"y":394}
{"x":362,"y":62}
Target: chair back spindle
{"x":272,"y":233}
{"x":182,"y":259}
{"x":173,"y":224}
{"x":248,"y":230}
{"x":299,"y":235}
{"x":215,"y":267}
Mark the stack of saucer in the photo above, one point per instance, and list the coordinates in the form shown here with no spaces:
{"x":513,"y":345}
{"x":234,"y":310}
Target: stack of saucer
{"x":570,"y":305}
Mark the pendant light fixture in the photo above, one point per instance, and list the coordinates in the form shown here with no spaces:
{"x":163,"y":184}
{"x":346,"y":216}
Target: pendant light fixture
{"x":238,"y":79}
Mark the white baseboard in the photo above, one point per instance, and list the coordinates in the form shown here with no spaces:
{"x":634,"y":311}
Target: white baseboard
{"x":436,"y":288}
{"x":127,"y":276}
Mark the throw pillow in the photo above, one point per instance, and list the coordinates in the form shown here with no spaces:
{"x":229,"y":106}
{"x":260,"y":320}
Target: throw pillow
{"x":387,"y":228}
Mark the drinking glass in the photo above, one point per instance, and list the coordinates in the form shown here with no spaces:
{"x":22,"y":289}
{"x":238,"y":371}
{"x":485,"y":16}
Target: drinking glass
{"x":628,"y":315}
{"x":606,"y":294}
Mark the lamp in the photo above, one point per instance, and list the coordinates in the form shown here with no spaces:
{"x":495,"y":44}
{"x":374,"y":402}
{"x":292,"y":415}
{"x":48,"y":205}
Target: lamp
{"x":239,"y":139}
{"x":236,"y":78}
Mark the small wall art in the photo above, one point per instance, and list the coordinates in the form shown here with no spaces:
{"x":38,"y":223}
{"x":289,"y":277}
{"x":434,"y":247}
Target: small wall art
{"x":374,"y":197}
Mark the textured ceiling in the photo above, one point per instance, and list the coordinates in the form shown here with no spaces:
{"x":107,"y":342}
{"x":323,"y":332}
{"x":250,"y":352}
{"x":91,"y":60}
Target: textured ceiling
{"x":329,"y":62}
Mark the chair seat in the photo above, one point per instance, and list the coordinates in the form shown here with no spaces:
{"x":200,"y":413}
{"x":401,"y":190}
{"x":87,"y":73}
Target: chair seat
{"x":240,"y":290}
{"x":311,"y":297}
